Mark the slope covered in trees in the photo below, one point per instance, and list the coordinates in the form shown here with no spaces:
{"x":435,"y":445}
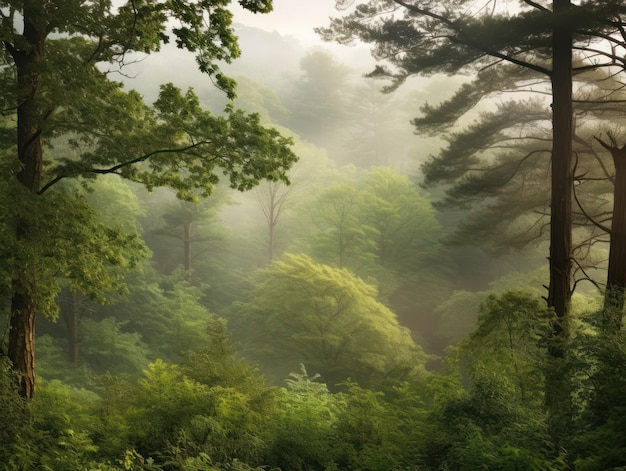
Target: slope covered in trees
{"x":322,"y":320}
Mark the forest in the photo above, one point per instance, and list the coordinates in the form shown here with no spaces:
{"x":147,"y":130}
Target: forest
{"x":266,"y":255}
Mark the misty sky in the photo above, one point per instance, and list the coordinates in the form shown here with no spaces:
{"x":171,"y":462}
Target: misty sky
{"x":291,"y":17}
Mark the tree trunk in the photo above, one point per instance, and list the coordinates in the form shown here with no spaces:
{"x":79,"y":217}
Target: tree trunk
{"x":28,"y":60}
{"x":272,"y":227}
{"x":613,"y":308}
{"x":273,"y":210}
{"x":22,"y":339}
{"x":187,"y":241}
{"x":71,"y":313}
{"x":562,"y":180}
{"x":557,"y":393}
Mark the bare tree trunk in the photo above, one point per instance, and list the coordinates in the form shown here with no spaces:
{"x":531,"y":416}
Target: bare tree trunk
{"x":612,"y":312}
{"x":557,"y":391}
{"x":272,"y":227}
{"x":562,"y":179}
{"x":187,"y":241}
{"x":71,"y":312}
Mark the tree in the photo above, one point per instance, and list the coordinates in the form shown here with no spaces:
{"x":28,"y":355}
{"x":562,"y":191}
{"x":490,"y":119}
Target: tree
{"x":430,"y":39}
{"x":384,"y":230}
{"x":194,"y":224}
{"x":424,"y":38}
{"x":514,"y":326}
{"x":613,"y":308}
{"x":327,"y":319}
{"x":56,"y":88}
{"x":115,"y":206}
{"x":381,"y":218}
{"x":497,"y":166}
{"x":340,"y":237}
{"x":273,"y":198}
{"x":316,"y":99}
{"x":378,"y":129}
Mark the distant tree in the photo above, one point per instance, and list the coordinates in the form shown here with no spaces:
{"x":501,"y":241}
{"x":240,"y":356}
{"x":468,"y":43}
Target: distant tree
{"x":317,"y":98}
{"x":377,"y":129}
{"x":406,"y":229}
{"x":379,"y":226}
{"x":273,"y":198}
{"x":195,"y":224}
{"x":270,"y":217}
{"x":328,"y":320}
{"x":341,"y":238}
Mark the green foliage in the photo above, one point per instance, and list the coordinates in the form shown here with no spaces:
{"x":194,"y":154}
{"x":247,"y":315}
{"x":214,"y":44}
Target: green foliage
{"x":328,"y":319}
{"x":107,"y":347}
{"x":58,"y":433}
{"x":164,"y":313}
{"x":13,"y":412}
{"x":488,"y":428}
{"x":598,"y":364}
{"x":218,"y":363}
{"x":513,"y":330}
{"x":406,"y":229}
{"x":341,"y":239}
{"x":53,"y":364}
{"x":211,"y":412}
{"x":179,"y":145}
{"x":302,"y":431}
{"x":185,"y":320}
{"x":459,"y":313}
{"x":59,"y":85}
{"x":67,"y":241}
{"x":317,"y":99}
{"x":204,"y":28}
{"x":488,"y":408}
{"x":365,"y":433}
{"x":380,"y":227}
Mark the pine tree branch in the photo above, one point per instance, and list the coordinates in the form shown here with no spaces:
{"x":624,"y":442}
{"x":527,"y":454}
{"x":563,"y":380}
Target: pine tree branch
{"x":536,"y":5}
{"x":464,"y":40}
{"x":582,"y":209}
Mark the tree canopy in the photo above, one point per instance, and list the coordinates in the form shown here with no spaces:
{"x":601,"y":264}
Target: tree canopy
{"x":57,"y":62}
{"x":301,"y":311}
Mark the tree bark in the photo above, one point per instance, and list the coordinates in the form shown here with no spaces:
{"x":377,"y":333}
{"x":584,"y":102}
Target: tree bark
{"x":28,"y":59}
{"x":612,"y":312}
{"x":557,"y":390}
{"x":22,"y":339}
{"x":559,"y":294}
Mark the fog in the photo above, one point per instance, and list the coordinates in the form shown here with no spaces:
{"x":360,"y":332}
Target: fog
{"x":326,"y":272}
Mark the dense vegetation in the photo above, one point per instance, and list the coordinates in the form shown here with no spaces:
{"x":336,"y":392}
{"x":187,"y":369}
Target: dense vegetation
{"x":289,"y":278}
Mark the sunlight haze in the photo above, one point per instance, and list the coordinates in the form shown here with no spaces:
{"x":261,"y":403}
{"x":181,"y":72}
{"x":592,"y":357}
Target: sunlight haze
{"x":291,"y":17}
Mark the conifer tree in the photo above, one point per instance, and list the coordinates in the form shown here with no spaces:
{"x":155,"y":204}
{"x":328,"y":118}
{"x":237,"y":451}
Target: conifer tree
{"x":421,"y":37}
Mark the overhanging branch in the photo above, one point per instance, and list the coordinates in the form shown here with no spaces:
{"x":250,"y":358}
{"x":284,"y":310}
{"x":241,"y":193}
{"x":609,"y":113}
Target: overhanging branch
{"x":114,"y":169}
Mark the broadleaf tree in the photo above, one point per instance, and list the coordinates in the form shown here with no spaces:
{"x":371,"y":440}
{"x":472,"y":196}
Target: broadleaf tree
{"x":53,"y":82}
{"x":328,"y":319}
